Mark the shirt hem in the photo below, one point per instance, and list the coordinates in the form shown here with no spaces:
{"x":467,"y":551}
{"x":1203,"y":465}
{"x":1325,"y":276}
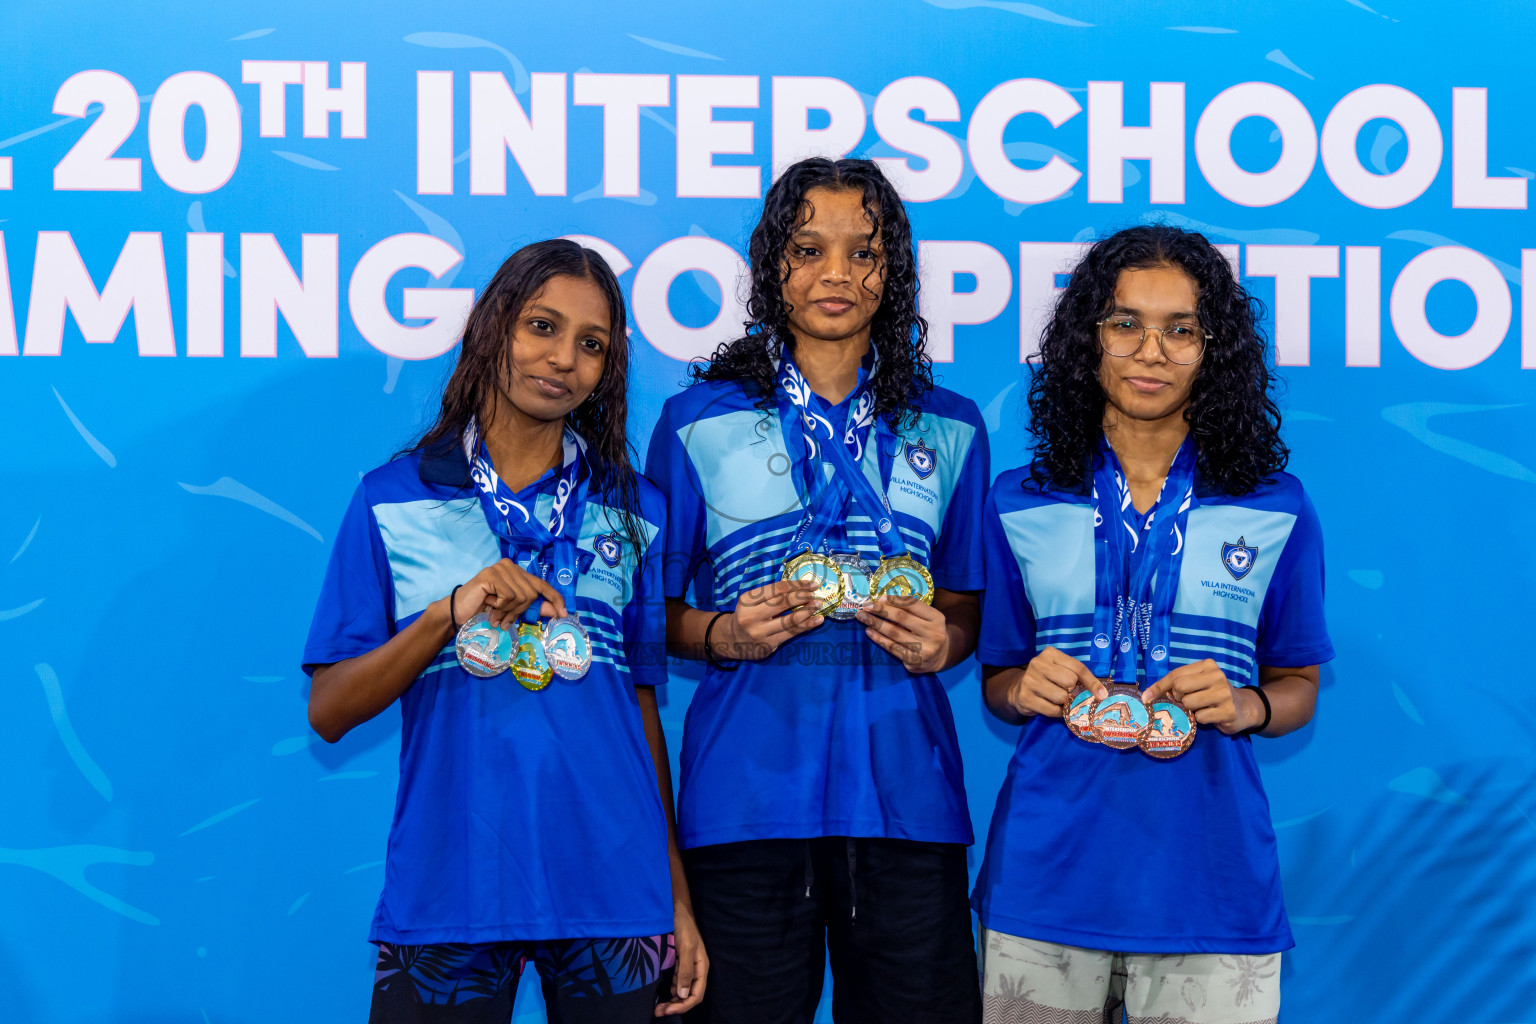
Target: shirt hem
{"x":802,"y":830}
{"x":1247,"y":945}
{"x":521,"y":931}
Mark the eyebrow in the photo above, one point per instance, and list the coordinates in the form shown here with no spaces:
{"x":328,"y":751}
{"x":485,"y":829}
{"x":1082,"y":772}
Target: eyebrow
{"x":1138,"y":313}
{"x":809,"y":233}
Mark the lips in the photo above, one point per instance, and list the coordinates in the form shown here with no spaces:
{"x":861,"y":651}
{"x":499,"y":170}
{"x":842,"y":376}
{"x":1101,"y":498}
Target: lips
{"x":550,"y":387}
{"x":1146,"y":385}
{"x":833,"y":307}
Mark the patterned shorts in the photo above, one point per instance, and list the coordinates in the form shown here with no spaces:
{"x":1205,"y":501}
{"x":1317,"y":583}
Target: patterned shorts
{"x":1030,"y":982}
{"x":606,"y":980}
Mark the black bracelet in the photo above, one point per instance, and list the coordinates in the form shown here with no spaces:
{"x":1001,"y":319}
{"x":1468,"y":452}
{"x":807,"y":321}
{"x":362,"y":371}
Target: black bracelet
{"x":709,"y":652}
{"x":451,"y":617}
{"x":1267,"y":712}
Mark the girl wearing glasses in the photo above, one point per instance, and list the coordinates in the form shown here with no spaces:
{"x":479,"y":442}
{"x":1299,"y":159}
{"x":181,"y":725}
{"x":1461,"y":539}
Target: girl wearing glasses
{"x":1154,"y":601}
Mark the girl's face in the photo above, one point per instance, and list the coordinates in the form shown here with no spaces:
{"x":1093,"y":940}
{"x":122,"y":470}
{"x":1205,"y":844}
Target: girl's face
{"x":1146,"y":385}
{"x":835,"y":271}
{"x":558,"y":349}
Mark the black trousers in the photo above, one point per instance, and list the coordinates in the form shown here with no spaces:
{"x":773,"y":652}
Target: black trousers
{"x":892,"y":913}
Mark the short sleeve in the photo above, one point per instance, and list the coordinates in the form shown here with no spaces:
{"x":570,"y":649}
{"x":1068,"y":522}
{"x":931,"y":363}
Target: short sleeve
{"x":645,"y":616}
{"x":957,"y":556}
{"x":1007,"y":620}
{"x":1292,"y":629}
{"x":353,"y":615}
{"x":668,"y":466}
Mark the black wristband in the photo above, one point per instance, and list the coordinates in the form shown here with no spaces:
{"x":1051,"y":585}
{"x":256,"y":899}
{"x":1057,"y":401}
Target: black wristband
{"x":1267,"y":712}
{"x":709,"y":652}
{"x":451,"y":617}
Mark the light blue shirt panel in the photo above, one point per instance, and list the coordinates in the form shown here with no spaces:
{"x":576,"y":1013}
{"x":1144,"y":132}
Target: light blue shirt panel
{"x":928,"y":499}
{"x":433,"y":545}
{"x":610,"y":584}
{"x":1053,"y":545}
{"x":745,"y":472}
{"x":1206,"y":587}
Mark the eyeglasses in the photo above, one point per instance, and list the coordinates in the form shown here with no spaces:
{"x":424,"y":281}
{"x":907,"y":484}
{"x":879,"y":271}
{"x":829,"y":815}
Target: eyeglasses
{"x":1122,"y":335}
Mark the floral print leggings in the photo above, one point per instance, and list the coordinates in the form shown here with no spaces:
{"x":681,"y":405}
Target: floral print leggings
{"x":585,"y":981}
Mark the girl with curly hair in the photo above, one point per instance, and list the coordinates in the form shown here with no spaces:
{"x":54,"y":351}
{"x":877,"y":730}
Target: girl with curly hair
{"x":533,"y":816}
{"x":823,"y":560}
{"x":1153,"y":564}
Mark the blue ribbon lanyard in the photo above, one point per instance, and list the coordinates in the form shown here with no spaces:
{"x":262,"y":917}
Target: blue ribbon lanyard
{"x":1136,"y":568}
{"x":517,"y":529}
{"x":827,"y":500}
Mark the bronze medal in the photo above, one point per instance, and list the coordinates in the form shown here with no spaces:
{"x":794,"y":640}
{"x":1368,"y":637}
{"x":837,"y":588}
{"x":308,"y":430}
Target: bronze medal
{"x":1078,"y":713}
{"x":1170,"y":729}
{"x":1120,"y":719}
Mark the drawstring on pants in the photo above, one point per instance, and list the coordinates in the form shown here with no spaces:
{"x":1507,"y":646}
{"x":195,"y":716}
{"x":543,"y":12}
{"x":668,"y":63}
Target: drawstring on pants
{"x":853,"y":864}
{"x":810,"y":871}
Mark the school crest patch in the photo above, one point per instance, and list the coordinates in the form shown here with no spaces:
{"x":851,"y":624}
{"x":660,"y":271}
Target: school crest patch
{"x":609,"y":548}
{"x":1238,"y":558}
{"x":922,"y":459}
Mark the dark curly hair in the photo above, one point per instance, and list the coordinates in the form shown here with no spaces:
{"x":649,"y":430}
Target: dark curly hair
{"x":1234,"y":419}
{"x":485,"y":353}
{"x":898,"y":334}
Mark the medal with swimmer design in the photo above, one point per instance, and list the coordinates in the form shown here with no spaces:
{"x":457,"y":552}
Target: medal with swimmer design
{"x":903,"y":576}
{"x":530,"y":664}
{"x":822,"y":570}
{"x":483,"y":650}
{"x":1078,"y":712}
{"x":1120,"y":719}
{"x":1170,"y":729}
{"x":856,"y":585}
{"x":567,"y":646}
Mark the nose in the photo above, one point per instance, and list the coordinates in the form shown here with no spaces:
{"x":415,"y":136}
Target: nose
{"x":562,"y":353}
{"x":1151,"y":350}
{"x":836,"y":268}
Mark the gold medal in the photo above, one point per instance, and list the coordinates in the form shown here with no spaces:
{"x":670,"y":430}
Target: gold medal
{"x":903,"y":576}
{"x":822,"y":570}
{"x":530,"y":662}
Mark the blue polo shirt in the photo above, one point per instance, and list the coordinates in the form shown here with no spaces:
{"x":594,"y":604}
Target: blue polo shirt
{"x":829,"y":736}
{"x":1111,"y":849}
{"x":520,"y":815}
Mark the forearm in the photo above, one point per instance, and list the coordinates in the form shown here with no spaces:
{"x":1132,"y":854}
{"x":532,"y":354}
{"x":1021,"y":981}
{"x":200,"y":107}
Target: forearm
{"x":650,"y":717}
{"x":687,"y":626}
{"x":1292,"y":694}
{"x":348,"y":693}
{"x":962,"y":623}
{"x":995,"y":686}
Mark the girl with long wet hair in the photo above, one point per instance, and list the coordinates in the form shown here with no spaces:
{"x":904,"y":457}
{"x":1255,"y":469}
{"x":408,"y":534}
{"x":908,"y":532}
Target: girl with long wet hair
{"x":501,"y":579}
{"x":823,"y":559}
{"x":1154,"y":601}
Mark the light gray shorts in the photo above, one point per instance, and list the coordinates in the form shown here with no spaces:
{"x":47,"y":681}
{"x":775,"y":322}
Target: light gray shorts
{"x":1030,"y":982}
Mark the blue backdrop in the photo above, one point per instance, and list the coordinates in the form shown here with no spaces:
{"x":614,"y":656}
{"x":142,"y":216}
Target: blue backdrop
{"x":175,"y":845}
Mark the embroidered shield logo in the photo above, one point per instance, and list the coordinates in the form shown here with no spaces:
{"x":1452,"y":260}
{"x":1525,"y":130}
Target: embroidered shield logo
{"x":922,"y":459}
{"x":1238,"y":558}
{"x":609,"y":548}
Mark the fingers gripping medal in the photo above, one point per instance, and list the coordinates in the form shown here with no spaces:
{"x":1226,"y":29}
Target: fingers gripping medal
{"x":483,"y":649}
{"x":1078,"y":713}
{"x":856,"y":577}
{"x":568,"y":646}
{"x":1170,"y":729}
{"x":821,"y":570}
{"x":1120,"y":719}
{"x":903,"y":576}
